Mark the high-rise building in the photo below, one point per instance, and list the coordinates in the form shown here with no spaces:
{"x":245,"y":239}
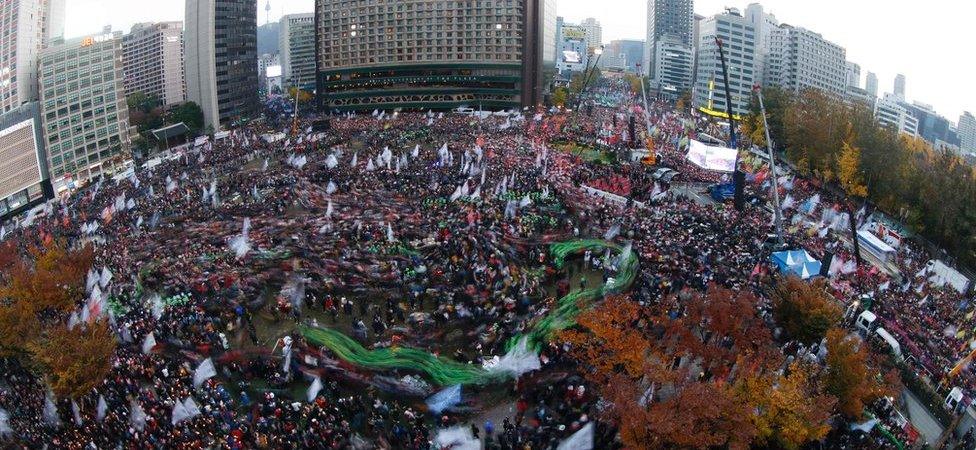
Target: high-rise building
{"x":900,"y":86}
{"x":152,"y":54}
{"x":633,"y":51}
{"x":466,"y":53}
{"x":83,"y":108}
{"x":669,"y":52}
{"x":890,"y":112}
{"x":26,"y":27}
{"x":221,"y":50}
{"x":852,"y":74}
{"x":738,"y":38}
{"x":800,"y":59}
{"x":550,"y":30}
{"x":594,"y":32}
{"x":932,"y":127}
{"x":871,"y":84}
{"x":24,"y":179}
{"x":297,"y":47}
{"x":764,"y":24}
{"x":967,"y":131}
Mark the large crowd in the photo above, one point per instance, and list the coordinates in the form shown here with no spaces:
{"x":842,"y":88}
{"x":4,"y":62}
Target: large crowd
{"x":428,"y":230}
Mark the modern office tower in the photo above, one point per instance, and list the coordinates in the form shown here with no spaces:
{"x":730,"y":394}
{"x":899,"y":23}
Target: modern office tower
{"x":800,"y":59}
{"x":594,"y":32}
{"x":890,"y":112}
{"x":26,"y":27}
{"x":900,"y":86}
{"x":430,"y":54}
{"x":852,"y":74}
{"x":24,"y":179}
{"x":297,"y":47}
{"x":739,"y":43}
{"x":152,"y":55}
{"x":673,"y":60}
{"x":871,"y":84}
{"x":765,"y":24}
{"x":669,"y":53}
{"x":967,"y":131}
{"x":83,"y":108}
{"x":221,"y":49}
{"x":932,"y":127}
{"x":550,"y":27}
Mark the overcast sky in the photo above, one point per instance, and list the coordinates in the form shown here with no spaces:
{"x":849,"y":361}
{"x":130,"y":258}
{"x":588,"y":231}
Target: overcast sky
{"x":923,"y":40}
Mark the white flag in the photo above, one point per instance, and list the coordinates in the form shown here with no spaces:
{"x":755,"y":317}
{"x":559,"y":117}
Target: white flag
{"x":101,"y":409}
{"x":137,"y":416}
{"x":204,"y":372}
{"x":314,"y":389}
{"x":148,"y":343}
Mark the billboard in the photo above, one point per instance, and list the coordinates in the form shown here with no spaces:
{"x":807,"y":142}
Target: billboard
{"x":572,"y":57}
{"x":719,"y":159}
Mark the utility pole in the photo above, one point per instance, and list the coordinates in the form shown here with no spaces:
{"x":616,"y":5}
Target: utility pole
{"x":777,"y":212}
{"x":647,"y":111}
{"x":589,"y":73}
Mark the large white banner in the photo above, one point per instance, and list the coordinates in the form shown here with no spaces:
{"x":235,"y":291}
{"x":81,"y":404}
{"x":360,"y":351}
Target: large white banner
{"x":719,"y":159}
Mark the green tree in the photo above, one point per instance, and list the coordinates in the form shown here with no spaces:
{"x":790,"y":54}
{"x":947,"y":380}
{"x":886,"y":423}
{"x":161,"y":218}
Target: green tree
{"x":190,"y":114}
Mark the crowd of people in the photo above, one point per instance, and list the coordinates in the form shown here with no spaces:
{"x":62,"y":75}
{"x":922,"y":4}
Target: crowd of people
{"x":425,"y":230}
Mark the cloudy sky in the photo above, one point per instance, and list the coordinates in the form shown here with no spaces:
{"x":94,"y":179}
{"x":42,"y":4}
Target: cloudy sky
{"x":923,"y":40}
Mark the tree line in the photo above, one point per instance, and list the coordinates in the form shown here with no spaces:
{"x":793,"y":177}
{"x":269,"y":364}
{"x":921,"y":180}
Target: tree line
{"x":843,"y":145}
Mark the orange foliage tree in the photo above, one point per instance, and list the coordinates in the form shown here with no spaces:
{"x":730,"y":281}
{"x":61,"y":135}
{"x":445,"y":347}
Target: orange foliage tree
{"x":37,"y":292}
{"x":75,"y":360}
{"x":696,"y":381}
{"x":848,"y":377}
{"x":804,"y":310}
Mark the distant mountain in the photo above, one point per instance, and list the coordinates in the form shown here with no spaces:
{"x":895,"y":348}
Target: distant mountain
{"x":268,"y":38}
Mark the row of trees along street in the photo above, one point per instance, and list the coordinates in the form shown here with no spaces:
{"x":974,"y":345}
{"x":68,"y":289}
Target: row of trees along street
{"x":836,"y":143}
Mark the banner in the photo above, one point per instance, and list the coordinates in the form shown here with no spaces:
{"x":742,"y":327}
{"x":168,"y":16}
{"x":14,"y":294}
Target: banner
{"x":719,"y":159}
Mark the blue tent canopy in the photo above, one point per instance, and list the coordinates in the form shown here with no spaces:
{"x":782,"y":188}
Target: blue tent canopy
{"x":797,"y":262}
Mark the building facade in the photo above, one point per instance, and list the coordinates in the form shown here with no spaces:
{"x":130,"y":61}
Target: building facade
{"x":297,"y":50}
{"x":573,"y":51}
{"x":739,"y":43}
{"x":852,"y":74}
{"x":932,"y":127}
{"x":800,"y":59}
{"x":431,"y":54}
{"x":24,"y":179}
{"x":670,"y":34}
{"x":83,"y":108}
{"x":871,"y":84}
{"x":152,"y":55}
{"x":632,"y":51}
{"x":26,"y":27}
{"x":967,"y":132}
{"x":891,"y":113}
{"x":899,"y":90}
{"x":764,"y":23}
{"x":673,"y":60}
{"x":594,"y":32}
{"x":221,"y":50}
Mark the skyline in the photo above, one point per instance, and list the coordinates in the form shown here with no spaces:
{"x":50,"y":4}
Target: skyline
{"x":936,"y":72}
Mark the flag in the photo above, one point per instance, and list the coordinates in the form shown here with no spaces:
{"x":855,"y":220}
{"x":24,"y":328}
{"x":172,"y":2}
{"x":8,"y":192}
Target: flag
{"x":101,"y":409}
{"x":444,"y":399}
{"x":204,"y":372}
{"x":314,"y":389}
{"x":148,"y":343}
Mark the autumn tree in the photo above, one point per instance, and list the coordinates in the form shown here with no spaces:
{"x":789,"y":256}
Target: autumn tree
{"x":50,"y":280}
{"x":848,"y":378}
{"x":77,"y":359}
{"x":675,"y":382}
{"x":790,"y":411}
{"x":849,"y":173}
{"x":803,"y":309}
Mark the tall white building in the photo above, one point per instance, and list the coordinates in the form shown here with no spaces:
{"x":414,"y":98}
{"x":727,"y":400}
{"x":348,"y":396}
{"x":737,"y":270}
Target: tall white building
{"x":296,"y":47}
{"x":890,"y":112}
{"x":594,"y":32}
{"x":967,"y":131}
{"x":764,"y":23}
{"x":221,"y":50}
{"x":800,"y":59}
{"x":669,"y":51}
{"x":871,"y":84}
{"x":26,"y":27}
{"x":853,"y":74}
{"x":152,"y":54}
{"x":739,"y":43}
{"x":900,"y":87}
{"x":85,"y":117}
